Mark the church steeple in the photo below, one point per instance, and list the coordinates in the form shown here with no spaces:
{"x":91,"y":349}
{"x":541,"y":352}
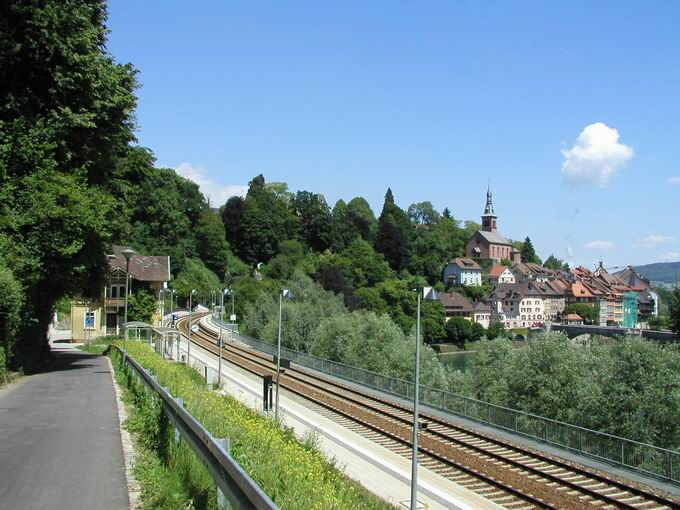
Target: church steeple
{"x":489,"y":217}
{"x":489,"y":202}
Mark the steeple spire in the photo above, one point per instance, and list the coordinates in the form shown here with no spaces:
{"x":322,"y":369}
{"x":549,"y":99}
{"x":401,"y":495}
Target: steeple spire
{"x":489,"y":202}
{"x":489,"y":217}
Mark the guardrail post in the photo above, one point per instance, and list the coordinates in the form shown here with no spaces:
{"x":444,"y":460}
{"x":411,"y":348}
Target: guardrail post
{"x":222,"y":501}
{"x":180,"y":402}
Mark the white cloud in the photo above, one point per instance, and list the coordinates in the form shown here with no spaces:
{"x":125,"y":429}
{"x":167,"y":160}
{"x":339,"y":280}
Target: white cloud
{"x":216,"y":193}
{"x":674,"y":180}
{"x":653,"y":240}
{"x":671,"y":256}
{"x":599,"y":245}
{"x":595,"y":157}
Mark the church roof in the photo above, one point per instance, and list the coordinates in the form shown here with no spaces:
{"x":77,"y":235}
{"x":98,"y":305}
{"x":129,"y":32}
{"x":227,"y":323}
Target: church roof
{"x":493,"y":237}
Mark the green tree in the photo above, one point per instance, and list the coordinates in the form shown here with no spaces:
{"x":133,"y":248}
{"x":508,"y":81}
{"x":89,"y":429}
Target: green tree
{"x":394,"y":234}
{"x":361,"y":216}
{"x":232,"y":213}
{"x":555,"y":264}
{"x":315,"y":219}
{"x":66,"y":122}
{"x":423,"y":213}
{"x":497,"y":331}
{"x":674,"y":312}
{"x":588,"y":313}
{"x":458,"y":331}
{"x":213,"y":248}
{"x":528,"y":252}
{"x":141,"y":306}
{"x":195,"y":275}
{"x":266,"y":221}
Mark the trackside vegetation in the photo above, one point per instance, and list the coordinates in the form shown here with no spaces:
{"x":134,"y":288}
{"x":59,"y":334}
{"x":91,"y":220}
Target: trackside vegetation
{"x":294,"y":473}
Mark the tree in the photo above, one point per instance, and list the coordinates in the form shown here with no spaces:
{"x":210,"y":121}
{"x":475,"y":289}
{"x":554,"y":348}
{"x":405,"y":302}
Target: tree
{"x":588,"y":313}
{"x":141,"y":306}
{"x":497,"y":331}
{"x":555,"y":264}
{"x":66,"y":122}
{"x":195,"y":275}
{"x":362,"y":218}
{"x":394,"y":233}
{"x":674,"y":312}
{"x":232,"y":213}
{"x":423,"y":213}
{"x":266,"y":221}
{"x":458,"y":331}
{"x":528,"y":252}
{"x":213,"y":248}
{"x":446,"y":213}
{"x":315,"y":219}
{"x":333,"y":279}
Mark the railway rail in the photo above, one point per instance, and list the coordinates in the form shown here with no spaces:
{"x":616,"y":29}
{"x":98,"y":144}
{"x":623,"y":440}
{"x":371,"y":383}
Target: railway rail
{"x":505,"y":473}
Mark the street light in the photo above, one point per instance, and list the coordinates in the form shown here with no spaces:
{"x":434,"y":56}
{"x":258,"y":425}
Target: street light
{"x":127,"y":253}
{"x":212,"y":302}
{"x":172,"y":300}
{"x":288,"y":295}
{"x":189,"y":344}
{"x":224,"y":292}
{"x":428,"y":294}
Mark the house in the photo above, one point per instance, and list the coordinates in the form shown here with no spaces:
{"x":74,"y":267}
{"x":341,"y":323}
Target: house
{"x":648,"y":300}
{"x":455,"y":305}
{"x":572,"y":319}
{"x":105,"y":314}
{"x":533,"y":271}
{"x":519,"y":305}
{"x":487,"y":243}
{"x":554,"y":301}
{"x":481,"y":314}
{"x":462,"y":271}
{"x":501,"y":274}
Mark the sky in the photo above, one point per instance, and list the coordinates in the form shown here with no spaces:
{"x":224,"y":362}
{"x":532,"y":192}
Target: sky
{"x":570,"y":109}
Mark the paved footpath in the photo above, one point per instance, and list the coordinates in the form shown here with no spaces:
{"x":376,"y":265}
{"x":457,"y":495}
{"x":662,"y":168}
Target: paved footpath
{"x":60,"y":445}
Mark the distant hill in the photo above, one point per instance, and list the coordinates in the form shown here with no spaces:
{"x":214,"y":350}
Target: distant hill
{"x":660,"y":272}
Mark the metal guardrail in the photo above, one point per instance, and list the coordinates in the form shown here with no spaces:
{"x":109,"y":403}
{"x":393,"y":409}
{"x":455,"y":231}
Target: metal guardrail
{"x":633,"y":455}
{"x":239,"y":488}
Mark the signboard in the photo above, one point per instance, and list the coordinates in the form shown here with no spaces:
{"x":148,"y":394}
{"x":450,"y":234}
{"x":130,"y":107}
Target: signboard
{"x":89,"y":320}
{"x":233,"y":317}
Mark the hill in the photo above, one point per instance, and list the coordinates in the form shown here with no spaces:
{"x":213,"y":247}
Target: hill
{"x":660,"y":272}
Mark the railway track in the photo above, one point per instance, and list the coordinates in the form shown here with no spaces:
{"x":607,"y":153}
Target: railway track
{"x":507,"y":474}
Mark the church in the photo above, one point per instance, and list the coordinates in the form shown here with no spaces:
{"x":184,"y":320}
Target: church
{"x":487,"y":243}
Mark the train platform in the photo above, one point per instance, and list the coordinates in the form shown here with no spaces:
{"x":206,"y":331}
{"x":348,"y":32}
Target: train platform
{"x":379,"y":469}
{"x":60,"y":442}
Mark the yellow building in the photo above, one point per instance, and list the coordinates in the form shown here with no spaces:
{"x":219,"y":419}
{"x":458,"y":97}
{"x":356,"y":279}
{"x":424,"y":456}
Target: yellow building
{"x":105,"y":316}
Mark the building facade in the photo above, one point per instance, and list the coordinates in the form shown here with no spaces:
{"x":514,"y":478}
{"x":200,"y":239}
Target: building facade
{"x":462,"y":271}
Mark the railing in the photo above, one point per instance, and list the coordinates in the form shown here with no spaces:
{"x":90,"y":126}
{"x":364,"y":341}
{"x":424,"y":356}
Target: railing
{"x":635,"y":456}
{"x":230,"y":478}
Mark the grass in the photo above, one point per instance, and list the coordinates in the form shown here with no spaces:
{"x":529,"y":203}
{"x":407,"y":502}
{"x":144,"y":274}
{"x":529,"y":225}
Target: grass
{"x":297,"y":476}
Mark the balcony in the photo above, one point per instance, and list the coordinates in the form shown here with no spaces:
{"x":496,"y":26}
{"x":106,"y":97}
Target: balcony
{"x":114,"y":302}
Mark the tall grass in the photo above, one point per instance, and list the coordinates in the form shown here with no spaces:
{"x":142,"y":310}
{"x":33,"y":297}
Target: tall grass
{"x":295,"y":474}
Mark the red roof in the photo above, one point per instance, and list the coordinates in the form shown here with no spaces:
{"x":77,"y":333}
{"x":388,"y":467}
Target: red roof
{"x":497,"y":270}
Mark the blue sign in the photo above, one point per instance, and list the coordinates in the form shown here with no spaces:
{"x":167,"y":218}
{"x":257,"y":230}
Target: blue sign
{"x":89,"y":320}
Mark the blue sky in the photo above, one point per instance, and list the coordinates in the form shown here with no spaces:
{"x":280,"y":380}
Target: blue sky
{"x":572,"y":109}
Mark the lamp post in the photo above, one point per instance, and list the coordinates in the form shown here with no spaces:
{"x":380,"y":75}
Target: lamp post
{"x":172,"y":300}
{"x":160,"y":303}
{"x":189,"y":344}
{"x":212,"y":302}
{"x":428,"y":294}
{"x":219,"y":360}
{"x":127,"y":253}
{"x":288,"y":295}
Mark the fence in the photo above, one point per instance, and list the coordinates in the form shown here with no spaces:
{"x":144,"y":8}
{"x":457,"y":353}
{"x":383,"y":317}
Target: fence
{"x":635,"y":456}
{"x":241,"y":491}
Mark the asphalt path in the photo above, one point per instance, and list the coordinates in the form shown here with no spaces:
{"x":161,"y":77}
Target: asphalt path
{"x":60,"y":444}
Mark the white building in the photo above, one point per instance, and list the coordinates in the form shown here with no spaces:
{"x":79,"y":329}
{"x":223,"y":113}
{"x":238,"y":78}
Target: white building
{"x":462,"y":271}
{"x":501,"y":274}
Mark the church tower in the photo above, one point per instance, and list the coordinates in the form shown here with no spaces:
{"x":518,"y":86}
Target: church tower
{"x":489,"y":217}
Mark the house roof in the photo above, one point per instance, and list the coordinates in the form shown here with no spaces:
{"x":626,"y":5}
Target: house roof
{"x":480,"y":307}
{"x":573,"y":317}
{"x":467,"y":264}
{"x":454,"y":302}
{"x":493,"y":237}
{"x":498,"y":270}
{"x":145,"y":268}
